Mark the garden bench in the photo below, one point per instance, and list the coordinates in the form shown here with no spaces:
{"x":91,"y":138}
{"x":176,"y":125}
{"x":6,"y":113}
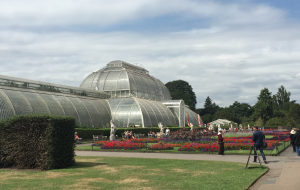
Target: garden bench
{"x":139,"y":135}
{"x":78,"y":141}
{"x":150,"y":135}
{"x":99,"y":138}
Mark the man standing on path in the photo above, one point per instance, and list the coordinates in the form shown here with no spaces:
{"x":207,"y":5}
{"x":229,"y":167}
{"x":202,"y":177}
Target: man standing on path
{"x":220,"y":143}
{"x":258,"y":139}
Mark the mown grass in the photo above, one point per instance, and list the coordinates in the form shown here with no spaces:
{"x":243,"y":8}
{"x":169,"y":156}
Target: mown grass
{"x":136,"y":173}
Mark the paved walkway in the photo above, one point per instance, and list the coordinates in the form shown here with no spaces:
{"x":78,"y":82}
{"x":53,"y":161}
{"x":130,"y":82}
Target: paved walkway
{"x":283,"y":170}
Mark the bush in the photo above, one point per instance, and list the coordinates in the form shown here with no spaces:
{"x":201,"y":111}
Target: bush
{"x":37,"y":142}
{"x":276,"y":121}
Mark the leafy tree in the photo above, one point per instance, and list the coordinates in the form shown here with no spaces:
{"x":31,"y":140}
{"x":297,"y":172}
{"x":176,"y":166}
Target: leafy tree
{"x":275,"y":122}
{"x":264,"y":107}
{"x":241,"y":109}
{"x":207,"y":118}
{"x":282,"y":99}
{"x":180,"y":89}
{"x":279,"y":113}
{"x":294,"y":115}
{"x":209,"y":107}
{"x":247,"y":121}
{"x":208,"y":102}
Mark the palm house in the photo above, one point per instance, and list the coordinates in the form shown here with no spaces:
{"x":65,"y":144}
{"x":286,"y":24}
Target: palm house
{"x":121,"y":91}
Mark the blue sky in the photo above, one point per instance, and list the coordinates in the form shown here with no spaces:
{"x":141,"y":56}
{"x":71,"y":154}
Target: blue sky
{"x":228,"y":50}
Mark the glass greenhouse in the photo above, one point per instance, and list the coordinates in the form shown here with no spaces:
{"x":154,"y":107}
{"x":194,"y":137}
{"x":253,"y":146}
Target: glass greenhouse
{"x":123,"y":92}
{"x":87,"y":111}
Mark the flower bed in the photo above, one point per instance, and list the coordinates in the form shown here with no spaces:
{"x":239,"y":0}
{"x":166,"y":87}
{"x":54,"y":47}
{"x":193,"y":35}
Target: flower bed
{"x":162,"y":147}
{"x":227,"y":146}
{"x":120,"y":145}
{"x":183,"y":141}
{"x":143,"y":140}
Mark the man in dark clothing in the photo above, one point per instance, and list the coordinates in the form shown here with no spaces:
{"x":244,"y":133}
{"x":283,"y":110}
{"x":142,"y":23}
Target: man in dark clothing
{"x":220,"y":143}
{"x":292,"y":139}
{"x":258,"y":139}
{"x":297,"y":141}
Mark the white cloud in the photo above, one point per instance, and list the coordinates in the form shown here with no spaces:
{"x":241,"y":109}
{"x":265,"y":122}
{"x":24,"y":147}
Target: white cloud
{"x":245,"y":48}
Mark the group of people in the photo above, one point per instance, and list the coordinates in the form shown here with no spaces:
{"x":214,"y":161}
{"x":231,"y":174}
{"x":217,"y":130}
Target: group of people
{"x":128,"y":135}
{"x":295,"y":140}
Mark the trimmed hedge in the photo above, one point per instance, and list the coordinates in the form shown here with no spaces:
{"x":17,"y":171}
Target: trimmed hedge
{"x":37,"y":142}
{"x":88,"y":133}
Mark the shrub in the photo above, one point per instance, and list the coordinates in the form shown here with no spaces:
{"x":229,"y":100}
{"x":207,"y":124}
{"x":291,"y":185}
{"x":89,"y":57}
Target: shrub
{"x":37,"y":141}
{"x":186,"y":134}
{"x":276,"y":121}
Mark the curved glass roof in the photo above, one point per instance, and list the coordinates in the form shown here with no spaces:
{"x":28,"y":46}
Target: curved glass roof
{"x":122,"y":79}
{"x":137,"y":111}
{"x":87,"y":111}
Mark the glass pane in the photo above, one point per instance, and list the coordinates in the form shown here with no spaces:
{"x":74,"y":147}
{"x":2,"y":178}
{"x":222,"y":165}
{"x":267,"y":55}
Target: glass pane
{"x":38,"y":105}
{"x":6,"y":109}
{"x":19,"y":102}
{"x":52,"y":104}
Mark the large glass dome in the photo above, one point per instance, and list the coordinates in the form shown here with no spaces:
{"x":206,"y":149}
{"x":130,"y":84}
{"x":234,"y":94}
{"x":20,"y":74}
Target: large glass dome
{"x":122,"y":79}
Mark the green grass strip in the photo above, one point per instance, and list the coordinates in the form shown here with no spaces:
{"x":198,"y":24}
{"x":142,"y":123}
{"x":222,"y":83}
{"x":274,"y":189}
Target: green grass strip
{"x":136,"y":173}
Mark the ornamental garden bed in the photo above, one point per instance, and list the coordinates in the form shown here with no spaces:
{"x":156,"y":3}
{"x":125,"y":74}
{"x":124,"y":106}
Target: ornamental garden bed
{"x":233,"y":145}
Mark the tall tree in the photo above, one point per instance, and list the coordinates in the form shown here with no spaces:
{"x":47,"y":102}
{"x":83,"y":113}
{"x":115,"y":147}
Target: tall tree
{"x":264,"y":107}
{"x":208,"y":102}
{"x":241,"y":109}
{"x":180,"y":89}
{"x":209,"y":107}
{"x":294,"y":115}
{"x":282,"y":99}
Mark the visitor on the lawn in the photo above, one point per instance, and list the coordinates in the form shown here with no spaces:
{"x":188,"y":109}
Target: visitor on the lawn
{"x":76,"y":136}
{"x":292,"y":139}
{"x":167,"y":132}
{"x":258,"y":139}
{"x":297,"y":141}
{"x":129,"y":135}
{"x":153,"y":134}
{"x":220,"y":143}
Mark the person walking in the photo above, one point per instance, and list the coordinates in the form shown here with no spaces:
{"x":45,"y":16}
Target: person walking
{"x":258,"y":139}
{"x":292,"y":139}
{"x":296,"y":139}
{"x":220,"y":143}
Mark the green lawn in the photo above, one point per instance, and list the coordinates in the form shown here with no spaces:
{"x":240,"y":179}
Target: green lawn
{"x":135,"y":173}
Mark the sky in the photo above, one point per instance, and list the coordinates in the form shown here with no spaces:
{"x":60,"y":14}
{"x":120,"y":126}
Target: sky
{"x":228,"y":50}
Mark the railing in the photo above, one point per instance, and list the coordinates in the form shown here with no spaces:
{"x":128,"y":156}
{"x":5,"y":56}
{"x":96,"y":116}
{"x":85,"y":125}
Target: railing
{"x":50,"y":87}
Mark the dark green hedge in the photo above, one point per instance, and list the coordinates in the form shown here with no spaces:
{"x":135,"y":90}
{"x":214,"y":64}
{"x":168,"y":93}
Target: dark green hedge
{"x":37,"y":141}
{"x":89,"y":132}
